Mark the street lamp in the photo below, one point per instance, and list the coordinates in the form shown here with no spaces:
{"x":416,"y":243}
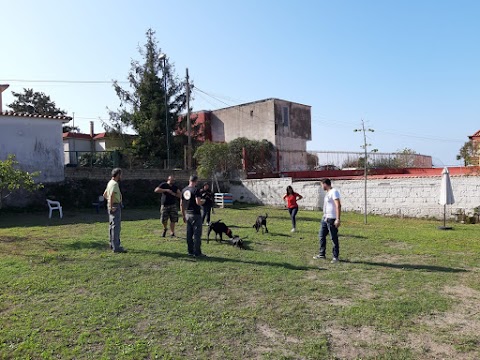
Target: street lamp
{"x":163,"y":57}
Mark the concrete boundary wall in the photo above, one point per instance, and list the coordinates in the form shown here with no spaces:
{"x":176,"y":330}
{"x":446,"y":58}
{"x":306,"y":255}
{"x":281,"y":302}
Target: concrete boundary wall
{"x":411,"y":197}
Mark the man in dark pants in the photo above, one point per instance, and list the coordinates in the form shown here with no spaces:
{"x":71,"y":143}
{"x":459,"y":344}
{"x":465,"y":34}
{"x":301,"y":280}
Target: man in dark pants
{"x":168,"y":210}
{"x":330,"y":221}
{"x":114,"y":203}
{"x":190,"y":207}
{"x":206,"y":194}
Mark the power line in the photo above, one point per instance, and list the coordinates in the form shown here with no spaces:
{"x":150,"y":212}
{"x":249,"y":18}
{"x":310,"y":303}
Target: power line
{"x":63,"y":81}
{"x":391,"y":132}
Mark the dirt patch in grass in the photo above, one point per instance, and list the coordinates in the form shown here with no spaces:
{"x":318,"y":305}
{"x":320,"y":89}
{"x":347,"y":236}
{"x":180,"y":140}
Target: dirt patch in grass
{"x":428,"y":348}
{"x":450,"y":329}
{"x":12,"y":239}
{"x":356,"y":342}
{"x":273,"y":339}
{"x":400,"y":245}
{"x":464,"y":317}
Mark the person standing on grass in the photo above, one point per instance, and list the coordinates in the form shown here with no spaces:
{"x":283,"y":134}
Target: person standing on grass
{"x":291,"y":197}
{"x":330,"y":221}
{"x":190,"y":206}
{"x":114,"y":205}
{"x":168,"y":209}
{"x":206,"y":193}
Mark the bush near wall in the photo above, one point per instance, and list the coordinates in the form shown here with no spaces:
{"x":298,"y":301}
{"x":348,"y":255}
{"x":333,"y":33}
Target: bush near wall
{"x":81,"y":193}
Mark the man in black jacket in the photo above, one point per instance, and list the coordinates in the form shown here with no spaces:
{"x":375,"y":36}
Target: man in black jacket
{"x":190,"y":206}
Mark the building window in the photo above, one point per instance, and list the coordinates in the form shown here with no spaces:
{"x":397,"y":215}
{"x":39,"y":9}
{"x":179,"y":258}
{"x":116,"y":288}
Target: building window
{"x":285,"y":116}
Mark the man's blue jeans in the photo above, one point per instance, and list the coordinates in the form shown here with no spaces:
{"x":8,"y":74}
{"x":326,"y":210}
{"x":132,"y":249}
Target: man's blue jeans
{"x":206,"y":210}
{"x":115,"y":225}
{"x":194,"y":233}
{"x":328,"y":226}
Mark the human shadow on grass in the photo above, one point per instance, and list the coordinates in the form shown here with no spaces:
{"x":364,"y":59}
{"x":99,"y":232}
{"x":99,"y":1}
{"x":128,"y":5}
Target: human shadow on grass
{"x":9,"y":220}
{"x":346,"y":236}
{"x":218,"y":259}
{"x":432,"y":268}
{"x":277,"y":234}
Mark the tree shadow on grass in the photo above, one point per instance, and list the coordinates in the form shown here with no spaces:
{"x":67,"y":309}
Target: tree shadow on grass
{"x":218,"y":259}
{"x":8,"y":220}
{"x":432,"y":268}
{"x":81,"y":245}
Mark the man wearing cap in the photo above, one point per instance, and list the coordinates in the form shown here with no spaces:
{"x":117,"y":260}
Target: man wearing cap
{"x":190,"y":206}
{"x":114,"y":204}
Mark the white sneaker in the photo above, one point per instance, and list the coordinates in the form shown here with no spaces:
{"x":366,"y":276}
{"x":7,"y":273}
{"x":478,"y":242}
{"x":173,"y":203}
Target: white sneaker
{"x":293,"y":230}
{"x":334,"y":260}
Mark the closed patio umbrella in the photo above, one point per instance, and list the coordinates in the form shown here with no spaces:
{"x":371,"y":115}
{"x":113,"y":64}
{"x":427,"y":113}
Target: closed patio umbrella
{"x":446,"y":195}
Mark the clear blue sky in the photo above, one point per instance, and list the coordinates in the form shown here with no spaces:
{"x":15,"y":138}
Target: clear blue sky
{"x":410,"y":68}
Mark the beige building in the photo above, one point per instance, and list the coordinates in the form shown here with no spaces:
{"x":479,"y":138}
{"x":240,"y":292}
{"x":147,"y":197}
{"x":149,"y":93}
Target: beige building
{"x":287,"y":125}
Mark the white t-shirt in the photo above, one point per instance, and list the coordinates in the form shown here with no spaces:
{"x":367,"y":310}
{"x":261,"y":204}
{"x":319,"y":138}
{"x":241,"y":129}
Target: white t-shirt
{"x":329,"y":209}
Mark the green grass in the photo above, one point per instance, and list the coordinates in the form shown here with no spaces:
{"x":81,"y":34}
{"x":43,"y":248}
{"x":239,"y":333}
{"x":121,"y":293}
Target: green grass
{"x":404,"y":290}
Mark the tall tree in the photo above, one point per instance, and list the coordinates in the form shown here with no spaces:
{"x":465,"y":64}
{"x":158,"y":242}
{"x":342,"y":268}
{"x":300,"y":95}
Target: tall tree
{"x":467,"y":153}
{"x":405,"y":158}
{"x":143,"y":106}
{"x":69,"y":128}
{"x":33,"y":102}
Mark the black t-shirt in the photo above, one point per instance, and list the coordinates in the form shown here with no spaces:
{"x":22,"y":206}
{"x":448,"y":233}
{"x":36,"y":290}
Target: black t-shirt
{"x":168,"y":199}
{"x":189,"y":195}
{"x":207,"y":195}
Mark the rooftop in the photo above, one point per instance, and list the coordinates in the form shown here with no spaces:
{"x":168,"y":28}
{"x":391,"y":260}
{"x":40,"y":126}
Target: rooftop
{"x":477,"y":134}
{"x":260,"y":101}
{"x":17,"y":114}
{"x":74,"y":135}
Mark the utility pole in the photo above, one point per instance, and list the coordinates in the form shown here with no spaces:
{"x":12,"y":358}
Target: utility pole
{"x":163,"y":57}
{"x":365,"y":165}
{"x":74,"y":140}
{"x":189,"y":126}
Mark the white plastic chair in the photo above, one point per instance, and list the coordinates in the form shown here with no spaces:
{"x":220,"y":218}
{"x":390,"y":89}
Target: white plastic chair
{"x":54,"y":205}
{"x":99,"y":203}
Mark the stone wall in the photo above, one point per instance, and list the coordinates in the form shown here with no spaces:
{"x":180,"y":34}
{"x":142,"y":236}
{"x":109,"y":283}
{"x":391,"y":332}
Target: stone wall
{"x":411,"y":197}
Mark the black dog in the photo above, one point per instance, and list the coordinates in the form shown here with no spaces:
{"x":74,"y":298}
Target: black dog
{"x":261,"y":222}
{"x":219,"y":228}
{"x":236,"y":241}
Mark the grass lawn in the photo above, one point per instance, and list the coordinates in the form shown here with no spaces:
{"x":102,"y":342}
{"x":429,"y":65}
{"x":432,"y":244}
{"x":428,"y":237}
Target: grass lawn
{"x":404,"y":290}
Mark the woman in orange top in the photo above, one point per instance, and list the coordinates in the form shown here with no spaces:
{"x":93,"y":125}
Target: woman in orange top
{"x":291,"y":197}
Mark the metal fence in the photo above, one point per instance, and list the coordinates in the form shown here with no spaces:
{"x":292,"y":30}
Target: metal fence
{"x":116,"y":158}
{"x":348,"y":160}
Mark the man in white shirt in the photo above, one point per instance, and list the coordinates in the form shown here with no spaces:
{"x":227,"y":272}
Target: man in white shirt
{"x":330,"y":220}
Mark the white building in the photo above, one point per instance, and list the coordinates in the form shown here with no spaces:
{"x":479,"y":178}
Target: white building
{"x":36,"y":141}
